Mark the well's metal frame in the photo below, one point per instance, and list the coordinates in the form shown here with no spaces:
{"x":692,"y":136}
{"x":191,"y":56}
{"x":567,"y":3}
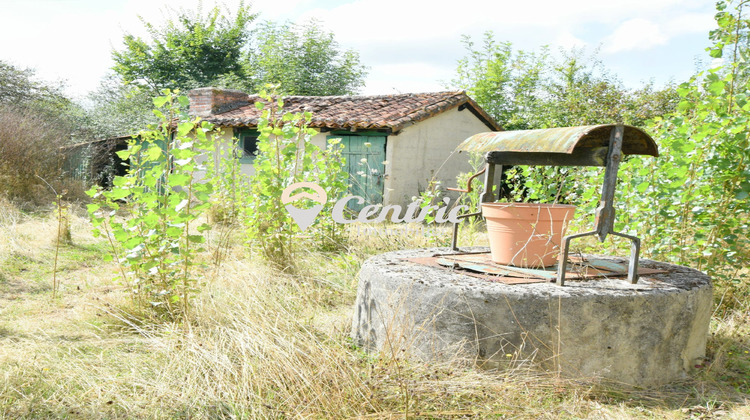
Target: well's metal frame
{"x":598,"y":145}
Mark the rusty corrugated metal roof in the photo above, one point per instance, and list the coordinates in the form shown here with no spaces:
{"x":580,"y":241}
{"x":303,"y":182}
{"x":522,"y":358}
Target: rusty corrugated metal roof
{"x":559,"y":140}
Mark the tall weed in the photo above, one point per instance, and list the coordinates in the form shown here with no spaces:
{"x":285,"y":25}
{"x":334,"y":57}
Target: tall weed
{"x":158,"y":242}
{"x":286,"y":156}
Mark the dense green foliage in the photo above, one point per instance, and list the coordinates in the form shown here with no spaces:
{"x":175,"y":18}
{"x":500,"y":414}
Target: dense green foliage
{"x":191,"y":50}
{"x":532,"y":90}
{"x":118,"y":109}
{"x":691,"y":203}
{"x":302,"y":60}
{"x":157,"y":243}
{"x":527,"y":90}
{"x":219,"y":49}
{"x":286,"y":156}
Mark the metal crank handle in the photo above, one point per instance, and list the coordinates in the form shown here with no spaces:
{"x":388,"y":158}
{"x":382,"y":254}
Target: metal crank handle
{"x":468,"y":183}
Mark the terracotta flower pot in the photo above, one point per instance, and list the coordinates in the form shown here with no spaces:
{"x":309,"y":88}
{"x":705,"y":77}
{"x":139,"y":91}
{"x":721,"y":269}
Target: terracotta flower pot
{"x":526,"y":234}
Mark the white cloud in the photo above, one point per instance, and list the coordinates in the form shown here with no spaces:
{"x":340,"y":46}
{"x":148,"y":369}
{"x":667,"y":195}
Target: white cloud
{"x":411,"y":45}
{"x":406,"y":78}
{"x":426,"y":19}
{"x":690,"y":23}
{"x":635,"y":34}
{"x":568,"y":41}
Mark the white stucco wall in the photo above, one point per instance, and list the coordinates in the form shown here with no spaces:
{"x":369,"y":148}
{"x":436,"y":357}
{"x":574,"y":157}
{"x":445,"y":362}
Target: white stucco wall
{"x":423,"y":151}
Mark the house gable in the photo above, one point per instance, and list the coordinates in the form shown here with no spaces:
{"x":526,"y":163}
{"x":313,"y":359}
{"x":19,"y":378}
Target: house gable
{"x":418,"y":132}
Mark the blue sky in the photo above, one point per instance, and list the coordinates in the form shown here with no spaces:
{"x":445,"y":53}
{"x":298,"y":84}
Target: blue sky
{"x":409,"y":45}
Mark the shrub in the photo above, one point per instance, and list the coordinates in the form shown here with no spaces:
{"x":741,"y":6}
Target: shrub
{"x":158,"y":241}
{"x":30,"y":143}
{"x":286,"y":156}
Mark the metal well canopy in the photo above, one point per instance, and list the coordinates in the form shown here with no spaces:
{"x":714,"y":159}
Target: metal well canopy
{"x":593,"y":145}
{"x":567,"y":140}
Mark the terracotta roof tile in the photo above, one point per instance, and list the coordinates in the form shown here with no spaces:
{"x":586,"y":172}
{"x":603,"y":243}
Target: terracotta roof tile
{"x":382,"y":112}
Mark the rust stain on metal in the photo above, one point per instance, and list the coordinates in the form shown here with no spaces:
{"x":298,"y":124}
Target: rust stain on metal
{"x":432,"y":262}
{"x":480,"y":265}
{"x":559,"y":140}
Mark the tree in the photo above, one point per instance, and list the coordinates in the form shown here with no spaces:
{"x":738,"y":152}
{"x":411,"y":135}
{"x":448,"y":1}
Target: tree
{"x":523,"y":90}
{"x":506,"y":84}
{"x":303,"y":60}
{"x":191,"y":50}
{"x":17,"y":86}
{"x":218,"y":49}
{"x":117,"y":109}
{"x":20,"y":88}
{"x":691,"y":204}
{"x":156,"y":246}
{"x":36,"y":119}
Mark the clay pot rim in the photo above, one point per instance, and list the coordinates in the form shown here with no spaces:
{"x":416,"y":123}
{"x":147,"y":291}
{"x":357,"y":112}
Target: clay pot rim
{"x":531,"y":205}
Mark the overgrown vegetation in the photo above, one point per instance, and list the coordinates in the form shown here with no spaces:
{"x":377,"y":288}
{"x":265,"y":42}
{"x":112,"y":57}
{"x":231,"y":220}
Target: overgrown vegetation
{"x":190,"y":50}
{"x":689,"y":206}
{"x":526,"y":90}
{"x":35,"y":113}
{"x":301,"y":60}
{"x":286,"y":156}
{"x":21,"y":165}
{"x":157,"y":243}
{"x":266,"y":344}
{"x":691,"y":203}
{"x":222,"y":48}
{"x":258,"y":339}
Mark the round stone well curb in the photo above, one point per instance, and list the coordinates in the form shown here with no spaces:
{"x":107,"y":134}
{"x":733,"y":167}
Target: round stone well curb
{"x":643,"y":334}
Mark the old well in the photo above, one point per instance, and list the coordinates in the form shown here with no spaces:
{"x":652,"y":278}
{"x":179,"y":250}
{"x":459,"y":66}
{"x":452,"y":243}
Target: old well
{"x":623,"y":319}
{"x":643,"y":334}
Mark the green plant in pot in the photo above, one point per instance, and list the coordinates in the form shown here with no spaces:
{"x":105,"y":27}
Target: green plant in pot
{"x":527,"y":229}
{"x":527,"y":225}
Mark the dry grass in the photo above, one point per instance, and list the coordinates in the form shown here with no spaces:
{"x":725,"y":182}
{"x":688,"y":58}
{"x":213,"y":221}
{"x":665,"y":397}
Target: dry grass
{"x":269,"y":345}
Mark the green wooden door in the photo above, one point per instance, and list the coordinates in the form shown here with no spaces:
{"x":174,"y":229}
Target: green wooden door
{"x":364,"y":163}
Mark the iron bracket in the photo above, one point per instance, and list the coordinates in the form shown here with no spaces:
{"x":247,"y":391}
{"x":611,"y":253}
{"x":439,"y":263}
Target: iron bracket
{"x":605,"y":213}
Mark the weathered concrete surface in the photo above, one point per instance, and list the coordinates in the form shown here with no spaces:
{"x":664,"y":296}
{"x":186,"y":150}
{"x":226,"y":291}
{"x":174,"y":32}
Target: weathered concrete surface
{"x":645,"y":334}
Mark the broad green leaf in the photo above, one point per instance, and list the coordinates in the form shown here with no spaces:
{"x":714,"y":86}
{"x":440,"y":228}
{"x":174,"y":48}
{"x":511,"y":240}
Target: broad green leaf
{"x":160,"y":101}
{"x":717,"y":87}
{"x":153,"y":153}
{"x":123,"y":154}
{"x":184,"y":128}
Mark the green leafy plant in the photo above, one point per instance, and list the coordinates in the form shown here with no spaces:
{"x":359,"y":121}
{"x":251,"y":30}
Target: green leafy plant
{"x":285,"y":155}
{"x":231,"y":191}
{"x":191,"y":49}
{"x":691,"y":204}
{"x":231,"y":185}
{"x":302,"y":60}
{"x":329,"y":172}
{"x":160,"y":236}
{"x":473,"y":198}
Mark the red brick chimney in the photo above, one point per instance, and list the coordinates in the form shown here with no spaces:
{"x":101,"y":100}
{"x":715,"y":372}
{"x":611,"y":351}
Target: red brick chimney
{"x":210,"y":100}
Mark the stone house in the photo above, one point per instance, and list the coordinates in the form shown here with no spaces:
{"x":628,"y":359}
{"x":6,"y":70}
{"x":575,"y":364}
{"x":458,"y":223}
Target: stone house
{"x":400,"y":141}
